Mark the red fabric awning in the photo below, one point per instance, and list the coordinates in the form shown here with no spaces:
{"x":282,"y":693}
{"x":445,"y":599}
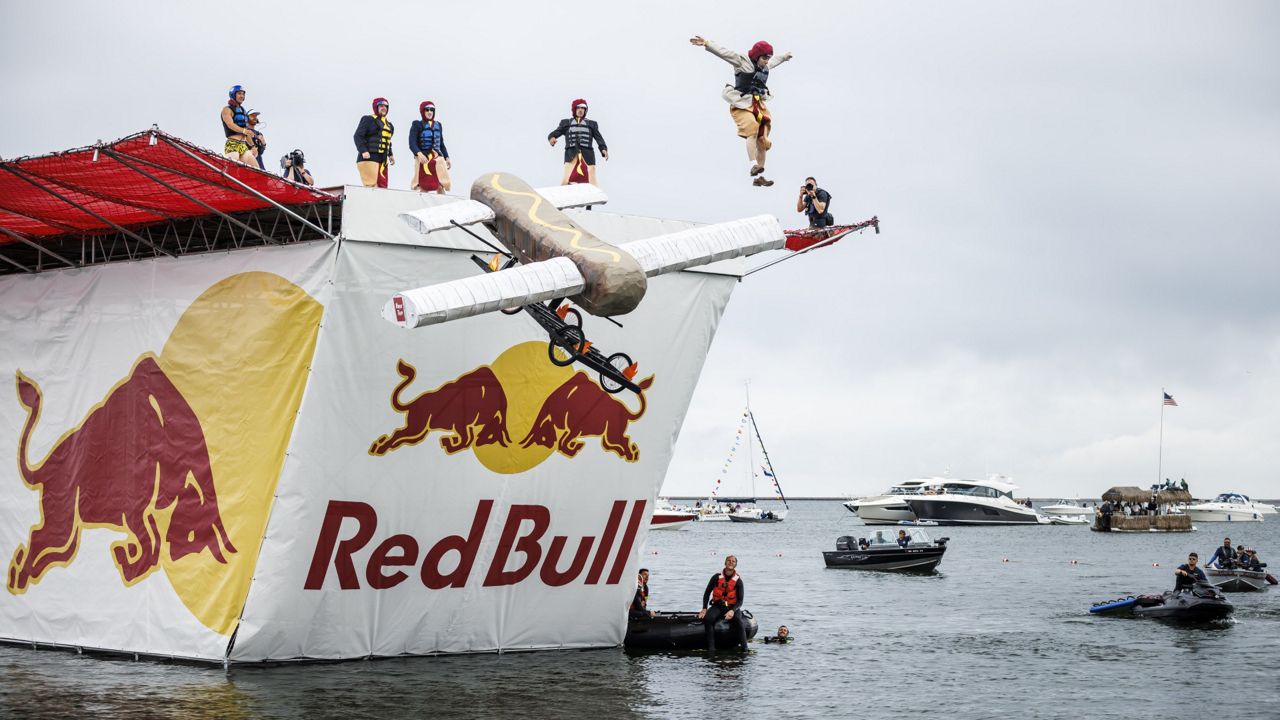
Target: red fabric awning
{"x":133,"y":181}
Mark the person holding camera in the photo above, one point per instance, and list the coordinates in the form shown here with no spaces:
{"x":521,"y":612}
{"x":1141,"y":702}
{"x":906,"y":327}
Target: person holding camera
{"x":373,"y":145}
{"x":814,"y":201}
{"x":747,"y":97}
{"x":426,"y":140}
{"x":294,"y":166}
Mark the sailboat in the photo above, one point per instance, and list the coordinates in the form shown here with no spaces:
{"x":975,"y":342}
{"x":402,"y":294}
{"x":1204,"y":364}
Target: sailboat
{"x":749,"y":431}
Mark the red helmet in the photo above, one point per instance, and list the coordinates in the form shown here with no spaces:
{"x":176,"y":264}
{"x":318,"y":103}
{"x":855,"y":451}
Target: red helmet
{"x":380,"y":101}
{"x":760,"y":48}
{"x":422,"y":108}
{"x":573,"y":108}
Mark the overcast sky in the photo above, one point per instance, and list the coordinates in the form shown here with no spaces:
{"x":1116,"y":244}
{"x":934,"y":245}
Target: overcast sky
{"x":1079,"y":200}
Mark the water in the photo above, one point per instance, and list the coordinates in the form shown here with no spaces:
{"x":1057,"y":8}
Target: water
{"x":982,"y":638}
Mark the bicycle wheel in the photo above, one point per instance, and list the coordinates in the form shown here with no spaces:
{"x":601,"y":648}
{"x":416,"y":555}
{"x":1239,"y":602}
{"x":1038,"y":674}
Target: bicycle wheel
{"x":566,"y":345}
{"x":619,"y":362}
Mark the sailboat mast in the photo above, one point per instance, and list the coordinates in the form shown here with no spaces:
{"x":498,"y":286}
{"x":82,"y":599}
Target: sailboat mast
{"x":1160,"y":457}
{"x":751,"y":456}
{"x":755,"y":429}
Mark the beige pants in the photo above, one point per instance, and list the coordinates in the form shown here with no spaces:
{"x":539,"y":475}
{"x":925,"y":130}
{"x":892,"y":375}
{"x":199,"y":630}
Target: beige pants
{"x":368,"y":172}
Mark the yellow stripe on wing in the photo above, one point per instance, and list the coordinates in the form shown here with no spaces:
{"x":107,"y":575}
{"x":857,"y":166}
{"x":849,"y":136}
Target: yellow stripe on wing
{"x":575,"y":234}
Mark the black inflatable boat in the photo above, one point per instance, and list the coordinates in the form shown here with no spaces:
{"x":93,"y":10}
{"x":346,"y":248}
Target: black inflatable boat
{"x":683,"y":631}
{"x":1200,"y":603}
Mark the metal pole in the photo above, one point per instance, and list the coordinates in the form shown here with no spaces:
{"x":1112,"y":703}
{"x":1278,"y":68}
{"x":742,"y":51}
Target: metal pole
{"x":118,"y":158}
{"x":26,"y":241}
{"x":17,"y":264}
{"x":228,"y":176}
{"x":1160,"y":460}
{"x":124,"y":231}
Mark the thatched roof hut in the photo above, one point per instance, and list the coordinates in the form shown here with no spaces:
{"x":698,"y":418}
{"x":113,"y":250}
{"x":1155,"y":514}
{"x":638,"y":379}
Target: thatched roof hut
{"x":1127,"y":493}
{"x":1170,"y":497}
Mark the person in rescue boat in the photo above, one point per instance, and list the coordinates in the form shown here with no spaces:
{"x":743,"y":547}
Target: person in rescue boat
{"x":258,"y":140}
{"x":640,"y":603}
{"x":373,"y":145}
{"x":235,"y":125}
{"x":747,"y":98}
{"x":723,"y":598}
{"x":1187,"y":574}
{"x":578,"y":133}
{"x":431,"y":157}
{"x":1250,"y":561}
{"x":1224,"y":557}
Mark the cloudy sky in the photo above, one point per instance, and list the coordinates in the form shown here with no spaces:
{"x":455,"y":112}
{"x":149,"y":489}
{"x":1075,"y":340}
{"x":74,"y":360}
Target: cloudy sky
{"x":1079,"y":200}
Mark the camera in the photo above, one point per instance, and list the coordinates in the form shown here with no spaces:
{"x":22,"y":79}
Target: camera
{"x":809,"y":187}
{"x":294,"y":158}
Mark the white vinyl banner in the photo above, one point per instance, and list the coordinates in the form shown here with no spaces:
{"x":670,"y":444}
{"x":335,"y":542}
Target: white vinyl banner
{"x":450,"y":489}
{"x":150,"y":408}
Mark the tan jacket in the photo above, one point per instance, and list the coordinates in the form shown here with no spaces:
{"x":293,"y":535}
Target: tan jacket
{"x":741,"y":64}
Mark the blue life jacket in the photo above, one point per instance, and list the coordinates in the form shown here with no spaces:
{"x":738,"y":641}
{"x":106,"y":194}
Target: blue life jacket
{"x":239,"y":116}
{"x":429,"y":136}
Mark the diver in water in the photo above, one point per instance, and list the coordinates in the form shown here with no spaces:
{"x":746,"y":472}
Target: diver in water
{"x":782,"y":638}
{"x":579,"y":156}
{"x":747,"y":98}
{"x":1187,"y":574}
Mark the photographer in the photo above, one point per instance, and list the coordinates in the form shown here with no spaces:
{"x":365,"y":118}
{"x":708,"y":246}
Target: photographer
{"x":813,"y":201}
{"x":294,"y":167}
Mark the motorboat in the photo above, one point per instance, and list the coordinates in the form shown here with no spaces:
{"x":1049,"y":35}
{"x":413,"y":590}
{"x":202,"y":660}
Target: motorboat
{"x":666,"y":517}
{"x":1237,"y":580}
{"x":757,"y":515}
{"x":748,"y":430}
{"x":682,"y":631}
{"x":1068,"y":520}
{"x":889,"y":508}
{"x":1066,"y":509}
{"x":1227,"y":507}
{"x":973,"y":502}
{"x":1199,"y":603}
{"x":881,"y":551}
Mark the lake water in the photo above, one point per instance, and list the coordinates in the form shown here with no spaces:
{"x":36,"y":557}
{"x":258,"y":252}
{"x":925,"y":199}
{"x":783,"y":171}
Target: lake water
{"x":1002,"y":630}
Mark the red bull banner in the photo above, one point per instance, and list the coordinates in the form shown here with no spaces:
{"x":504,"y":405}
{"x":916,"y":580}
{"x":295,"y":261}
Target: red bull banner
{"x":233,"y":458}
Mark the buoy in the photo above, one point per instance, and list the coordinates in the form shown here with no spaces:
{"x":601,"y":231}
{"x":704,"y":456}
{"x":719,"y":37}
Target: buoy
{"x":1155,"y":564}
{"x":1075,"y":562}
{"x":1004,"y":559}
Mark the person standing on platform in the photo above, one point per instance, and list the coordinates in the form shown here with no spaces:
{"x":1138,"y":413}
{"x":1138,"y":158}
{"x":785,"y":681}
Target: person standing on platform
{"x":235,"y":125}
{"x":723,"y":599}
{"x":374,"y":153}
{"x":578,"y":133}
{"x":431,"y":157}
{"x":259,"y":141}
{"x":747,"y":98}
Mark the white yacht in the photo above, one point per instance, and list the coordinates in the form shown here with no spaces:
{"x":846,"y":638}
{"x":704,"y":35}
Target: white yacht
{"x":1227,"y":507}
{"x":973,"y":502}
{"x":1066,"y":509}
{"x":891,"y":507}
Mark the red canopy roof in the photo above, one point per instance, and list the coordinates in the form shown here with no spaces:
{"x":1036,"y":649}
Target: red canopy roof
{"x":144,"y":178}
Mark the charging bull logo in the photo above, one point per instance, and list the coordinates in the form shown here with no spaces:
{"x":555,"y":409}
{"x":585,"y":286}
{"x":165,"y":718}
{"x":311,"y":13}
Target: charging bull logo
{"x":136,"y":458}
{"x":550,"y":408}
{"x":181,"y":457}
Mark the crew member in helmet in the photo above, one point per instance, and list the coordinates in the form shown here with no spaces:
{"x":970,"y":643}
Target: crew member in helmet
{"x":373,"y":145}
{"x":579,"y":157}
{"x":426,"y":140}
{"x":747,"y":98}
{"x":235,"y":124}
{"x":723,"y":599}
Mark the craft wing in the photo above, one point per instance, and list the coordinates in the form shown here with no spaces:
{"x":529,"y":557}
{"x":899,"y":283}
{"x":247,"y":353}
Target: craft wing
{"x":706,"y":244}
{"x":469,"y":212}
{"x":502,"y":290}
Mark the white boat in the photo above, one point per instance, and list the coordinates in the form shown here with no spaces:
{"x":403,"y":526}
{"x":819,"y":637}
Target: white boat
{"x":669,"y":518}
{"x":743,"y":509}
{"x":1068,"y":520}
{"x":1237,"y":580}
{"x":973,"y":502}
{"x":1066,"y":509}
{"x":757,"y":515}
{"x":1227,"y":507}
{"x":889,"y":508}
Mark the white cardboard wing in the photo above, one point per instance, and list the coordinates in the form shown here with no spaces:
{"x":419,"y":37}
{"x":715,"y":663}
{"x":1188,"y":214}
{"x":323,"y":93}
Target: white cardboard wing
{"x":707,"y":244}
{"x":501,"y":290}
{"x":469,"y":212}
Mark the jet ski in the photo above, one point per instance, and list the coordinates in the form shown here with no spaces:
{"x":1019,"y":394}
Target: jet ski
{"x":1199,"y":603}
{"x":682,"y":631}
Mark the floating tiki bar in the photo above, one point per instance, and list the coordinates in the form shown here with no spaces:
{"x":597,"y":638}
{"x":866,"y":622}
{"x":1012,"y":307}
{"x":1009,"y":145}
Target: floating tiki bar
{"x":1161,"y":521}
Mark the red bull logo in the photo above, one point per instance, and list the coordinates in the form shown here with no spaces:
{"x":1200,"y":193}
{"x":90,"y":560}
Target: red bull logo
{"x":138,"y":461}
{"x":551,"y":409}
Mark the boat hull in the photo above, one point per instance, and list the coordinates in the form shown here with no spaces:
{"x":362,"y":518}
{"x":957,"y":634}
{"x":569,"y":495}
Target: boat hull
{"x":909,"y":559}
{"x":1222,"y":515}
{"x":959,"y":512}
{"x":682,"y":631}
{"x":1237,"y":580}
{"x":754,"y":519}
{"x":873,"y":513}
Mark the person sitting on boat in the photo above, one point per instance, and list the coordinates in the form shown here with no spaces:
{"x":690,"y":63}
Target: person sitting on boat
{"x":903,"y":540}
{"x":723,"y":599}
{"x":747,"y":97}
{"x":813,"y":202}
{"x":1187,"y":574}
{"x":863,"y":544}
{"x":640,"y":603}
{"x":1251,"y":561}
{"x":1224,"y":557}
{"x":782,"y":638}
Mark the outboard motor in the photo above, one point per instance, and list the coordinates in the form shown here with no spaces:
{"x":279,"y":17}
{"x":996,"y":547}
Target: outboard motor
{"x":846,"y":543}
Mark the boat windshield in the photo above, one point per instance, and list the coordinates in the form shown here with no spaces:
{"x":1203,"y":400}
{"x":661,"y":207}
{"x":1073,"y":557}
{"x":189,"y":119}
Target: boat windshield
{"x":975,"y":490}
{"x":890,"y":537}
{"x":1234,"y":498}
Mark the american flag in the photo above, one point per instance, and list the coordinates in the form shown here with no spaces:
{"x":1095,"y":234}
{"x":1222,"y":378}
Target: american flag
{"x":1168,"y":400}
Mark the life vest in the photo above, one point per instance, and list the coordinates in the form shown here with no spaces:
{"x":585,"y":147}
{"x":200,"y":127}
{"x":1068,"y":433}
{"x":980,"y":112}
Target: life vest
{"x":384,"y":138}
{"x":239,"y":116}
{"x":578,"y":135}
{"x":726,"y":590}
{"x":642,"y":596}
{"x":429,"y":137}
{"x":752,"y":83}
